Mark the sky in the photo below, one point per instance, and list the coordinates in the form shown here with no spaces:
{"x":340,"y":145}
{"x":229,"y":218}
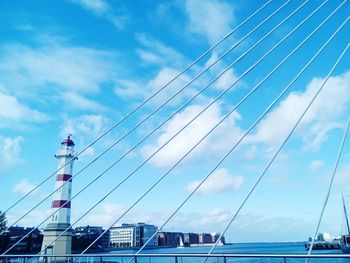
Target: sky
{"x":79,"y":66}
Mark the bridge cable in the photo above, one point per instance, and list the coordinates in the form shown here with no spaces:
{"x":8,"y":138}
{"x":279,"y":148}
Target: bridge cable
{"x":340,"y":151}
{"x":280,"y":148}
{"x":164,"y":175}
{"x":181,"y":130}
{"x":245,"y":134}
{"x":172,"y":115}
{"x":143,"y":103}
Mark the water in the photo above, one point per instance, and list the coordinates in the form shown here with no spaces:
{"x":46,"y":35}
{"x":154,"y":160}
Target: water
{"x":243,"y":248}
{"x":239,"y":248}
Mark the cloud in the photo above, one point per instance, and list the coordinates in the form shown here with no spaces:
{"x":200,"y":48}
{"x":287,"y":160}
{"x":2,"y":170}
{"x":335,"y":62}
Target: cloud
{"x":25,"y":69}
{"x":131,"y":89}
{"x":210,"y":18}
{"x":74,"y":100}
{"x":91,"y":125}
{"x":316,"y":165}
{"x":225,"y":80}
{"x":220,"y":181}
{"x":153,"y":51}
{"x":23,"y":187}
{"x":216,"y":216}
{"x":210,"y":148}
{"x":10,"y":150}
{"x":108,"y":213}
{"x":101,"y":8}
{"x":11,"y":110}
{"x":324,"y":115}
{"x":32,"y":219}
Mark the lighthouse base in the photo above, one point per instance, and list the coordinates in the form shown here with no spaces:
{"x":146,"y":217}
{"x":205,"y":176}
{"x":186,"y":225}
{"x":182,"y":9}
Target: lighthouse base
{"x":62,"y":246}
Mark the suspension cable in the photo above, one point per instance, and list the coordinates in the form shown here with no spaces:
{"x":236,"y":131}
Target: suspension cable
{"x":143,"y":103}
{"x":340,"y":151}
{"x":164,"y":175}
{"x":172,"y":115}
{"x":246,"y":133}
{"x":280,"y":148}
{"x":189,"y":123}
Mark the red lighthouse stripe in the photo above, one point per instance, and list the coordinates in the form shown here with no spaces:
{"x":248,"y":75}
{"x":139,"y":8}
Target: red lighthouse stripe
{"x":64,"y":177}
{"x":60,"y":203}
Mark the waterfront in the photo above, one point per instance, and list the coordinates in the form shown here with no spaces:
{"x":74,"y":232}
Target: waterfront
{"x":238,"y":248}
{"x":283,"y":252}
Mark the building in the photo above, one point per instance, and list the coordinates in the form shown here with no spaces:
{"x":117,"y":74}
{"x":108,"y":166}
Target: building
{"x":57,"y":239}
{"x":215,"y":237}
{"x":30,"y":244}
{"x":204,"y":238}
{"x":83,"y":236}
{"x":133,"y":235}
{"x":146,"y":233}
{"x":190,"y":238}
{"x":125,"y":236}
{"x":170,"y":239}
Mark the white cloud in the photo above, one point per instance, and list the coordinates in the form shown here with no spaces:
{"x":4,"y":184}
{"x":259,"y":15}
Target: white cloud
{"x":23,"y":187}
{"x":210,"y":148}
{"x":220,"y":181}
{"x":90,"y":125}
{"x":324,"y":115}
{"x":132,"y":89}
{"x":149,"y":57}
{"x":74,"y":100}
{"x":108,"y":213}
{"x":25,"y":69}
{"x":155,"y":52}
{"x":217,"y":216}
{"x":250,"y":153}
{"x":316,"y":165}
{"x":103,"y":9}
{"x":225,"y":80}
{"x":210,"y":18}
{"x":10,"y":150}
{"x":97,"y":6}
{"x":11,"y":110}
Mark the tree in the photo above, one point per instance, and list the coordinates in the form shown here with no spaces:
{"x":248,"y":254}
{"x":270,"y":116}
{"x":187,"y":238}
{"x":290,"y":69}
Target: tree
{"x":4,"y":237}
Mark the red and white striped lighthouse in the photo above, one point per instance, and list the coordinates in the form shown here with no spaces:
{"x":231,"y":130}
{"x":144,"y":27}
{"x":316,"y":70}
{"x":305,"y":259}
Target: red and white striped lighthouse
{"x":61,"y":205}
{"x":63,"y":185}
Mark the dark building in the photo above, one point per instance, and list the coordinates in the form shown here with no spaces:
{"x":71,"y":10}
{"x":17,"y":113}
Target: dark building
{"x":205,"y":238}
{"x":83,"y":236}
{"x":170,"y":239}
{"x":190,"y":238}
{"x":30,"y":244}
{"x":215,"y":237}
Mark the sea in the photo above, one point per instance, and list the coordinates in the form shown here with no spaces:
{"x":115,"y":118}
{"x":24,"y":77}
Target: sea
{"x":236,"y":248}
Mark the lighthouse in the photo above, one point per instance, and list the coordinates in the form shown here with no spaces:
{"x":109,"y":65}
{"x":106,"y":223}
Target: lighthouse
{"x":61,"y":205}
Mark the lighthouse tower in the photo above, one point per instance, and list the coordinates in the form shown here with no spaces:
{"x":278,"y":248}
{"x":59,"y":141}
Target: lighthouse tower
{"x":61,"y":206}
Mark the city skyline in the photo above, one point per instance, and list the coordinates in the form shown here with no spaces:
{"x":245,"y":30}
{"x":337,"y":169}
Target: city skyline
{"x":79,"y":66}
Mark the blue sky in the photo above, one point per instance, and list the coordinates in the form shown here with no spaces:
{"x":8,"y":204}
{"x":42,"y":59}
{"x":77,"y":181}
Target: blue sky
{"x":79,"y":66}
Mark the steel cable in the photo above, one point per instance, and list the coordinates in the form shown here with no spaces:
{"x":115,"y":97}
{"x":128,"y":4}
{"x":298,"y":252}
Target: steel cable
{"x":247,"y":132}
{"x":142,"y":104}
{"x":280,"y":148}
{"x":172,"y":115}
{"x":182,"y":129}
{"x":164,"y":175}
{"x":340,"y":151}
